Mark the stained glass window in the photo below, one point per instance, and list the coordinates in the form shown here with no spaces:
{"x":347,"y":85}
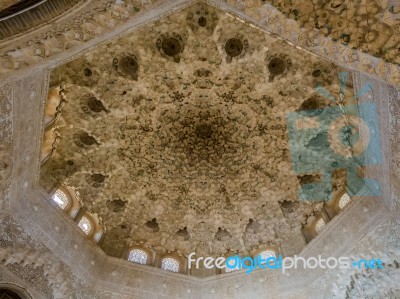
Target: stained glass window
{"x":85,"y":225}
{"x":138,"y":256}
{"x":320,"y":225}
{"x":60,"y":199}
{"x":170,"y":264}
{"x":344,"y":200}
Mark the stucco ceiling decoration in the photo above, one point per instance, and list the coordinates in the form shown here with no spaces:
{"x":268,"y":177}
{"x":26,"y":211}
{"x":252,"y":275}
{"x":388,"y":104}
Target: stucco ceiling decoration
{"x":175,"y":134}
{"x":98,"y":20}
{"x":362,"y":34}
{"x":370,"y":25}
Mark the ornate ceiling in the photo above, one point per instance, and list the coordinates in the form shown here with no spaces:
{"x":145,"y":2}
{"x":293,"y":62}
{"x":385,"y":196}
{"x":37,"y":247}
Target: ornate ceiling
{"x":175,"y":135}
{"x":370,"y":25}
{"x":46,"y":254}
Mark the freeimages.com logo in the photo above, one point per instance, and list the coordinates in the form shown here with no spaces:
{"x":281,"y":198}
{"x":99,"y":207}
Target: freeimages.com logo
{"x":340,"y":137}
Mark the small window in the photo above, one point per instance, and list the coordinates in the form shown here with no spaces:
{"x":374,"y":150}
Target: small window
{"x":319,"y":225}
{"x":344,"y":200}
{"x":170,"y":264}
{"x":61,"y":199}
{"x":85,"y":225}
{"x":138,"y":256}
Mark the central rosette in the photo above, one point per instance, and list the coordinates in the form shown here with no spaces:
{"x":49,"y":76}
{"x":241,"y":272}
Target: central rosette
{"x":204,"y":131}
{"x":210,"y":142}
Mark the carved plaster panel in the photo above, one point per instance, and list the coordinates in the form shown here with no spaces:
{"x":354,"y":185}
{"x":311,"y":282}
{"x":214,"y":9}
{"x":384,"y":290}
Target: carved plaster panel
{"x":76,"y":29}
{"x":26,"y":258}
